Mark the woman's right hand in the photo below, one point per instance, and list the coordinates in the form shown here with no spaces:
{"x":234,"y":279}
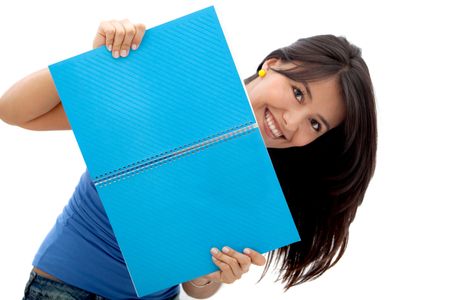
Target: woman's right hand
{"x":119,"y":36}
{"x":33,"y":102}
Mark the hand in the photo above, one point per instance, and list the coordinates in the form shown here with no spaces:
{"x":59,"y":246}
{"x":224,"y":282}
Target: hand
{"x":232,"y":265}
{"x":119,"y":36}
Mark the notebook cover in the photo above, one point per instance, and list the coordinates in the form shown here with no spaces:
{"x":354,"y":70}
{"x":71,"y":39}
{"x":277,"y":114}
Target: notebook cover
{"x":170,"y":140}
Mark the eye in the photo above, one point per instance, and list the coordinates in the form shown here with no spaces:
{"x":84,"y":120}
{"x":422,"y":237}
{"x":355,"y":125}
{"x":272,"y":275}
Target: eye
{"x":298,"y":94}
{"x":315,"y":125}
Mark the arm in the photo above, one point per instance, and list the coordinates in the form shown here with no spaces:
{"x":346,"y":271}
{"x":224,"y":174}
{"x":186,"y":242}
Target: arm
{"x":201,"y":292}
{"x":33,"y":103}
{"x":55,"y":119}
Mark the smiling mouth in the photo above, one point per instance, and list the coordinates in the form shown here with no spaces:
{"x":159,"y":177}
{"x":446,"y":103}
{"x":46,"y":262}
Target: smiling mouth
{"x":271,"y":125}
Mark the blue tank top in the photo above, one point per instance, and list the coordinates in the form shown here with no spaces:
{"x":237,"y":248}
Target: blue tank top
{"x":82,"y":251}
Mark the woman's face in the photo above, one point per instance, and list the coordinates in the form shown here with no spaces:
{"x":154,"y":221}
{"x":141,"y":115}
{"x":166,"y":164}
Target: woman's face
{"x":287,"y":113}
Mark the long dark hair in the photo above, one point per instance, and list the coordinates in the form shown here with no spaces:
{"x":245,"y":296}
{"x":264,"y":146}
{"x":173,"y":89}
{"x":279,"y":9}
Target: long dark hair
{"x":325,"y":181}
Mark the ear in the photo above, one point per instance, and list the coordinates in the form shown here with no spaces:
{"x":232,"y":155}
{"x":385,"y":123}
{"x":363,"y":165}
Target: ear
{"x":271,"y":62}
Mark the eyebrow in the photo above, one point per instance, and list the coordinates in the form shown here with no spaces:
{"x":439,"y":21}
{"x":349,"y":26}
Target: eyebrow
{"x":308,"y":91}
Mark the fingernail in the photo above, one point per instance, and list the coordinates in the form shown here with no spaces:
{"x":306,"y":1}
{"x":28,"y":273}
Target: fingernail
{"x":123,"y":53}
{"x":247,"y":251}
{"x":225,"y":249}
{"x":116,"y":54}
{"x":134,"y":47}
{"x":214,"y":250}
{"x":109,"y":47}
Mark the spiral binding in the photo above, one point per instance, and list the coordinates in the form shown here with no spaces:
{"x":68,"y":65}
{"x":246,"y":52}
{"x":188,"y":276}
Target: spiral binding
{"x":169,"y":156}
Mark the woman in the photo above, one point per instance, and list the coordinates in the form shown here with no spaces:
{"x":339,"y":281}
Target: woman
{"x":314,"y":105}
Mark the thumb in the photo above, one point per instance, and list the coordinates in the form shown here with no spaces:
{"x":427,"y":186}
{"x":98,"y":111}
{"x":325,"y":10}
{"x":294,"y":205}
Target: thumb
{"x":257,"y":258}
{"x":214,"y":276}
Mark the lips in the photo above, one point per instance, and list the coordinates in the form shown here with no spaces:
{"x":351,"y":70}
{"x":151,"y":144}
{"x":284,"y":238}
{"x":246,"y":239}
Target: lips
{"x":271,"y":125}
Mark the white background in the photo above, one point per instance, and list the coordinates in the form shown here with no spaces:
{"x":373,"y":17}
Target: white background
{"x":399,"y":241}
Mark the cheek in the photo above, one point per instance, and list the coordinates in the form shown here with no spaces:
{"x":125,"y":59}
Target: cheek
{"x":303,"y":140}
{"x":257,"y":100}
{"x":272,"y":92}
{"x":311,"y":138}
{"x":305,"y":135}
{"x":253,"y":98}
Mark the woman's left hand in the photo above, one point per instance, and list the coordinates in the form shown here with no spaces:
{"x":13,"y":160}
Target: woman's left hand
{"x":232,"y":265}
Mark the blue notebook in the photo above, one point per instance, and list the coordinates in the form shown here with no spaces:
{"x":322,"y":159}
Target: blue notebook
{"x":170,"y":140}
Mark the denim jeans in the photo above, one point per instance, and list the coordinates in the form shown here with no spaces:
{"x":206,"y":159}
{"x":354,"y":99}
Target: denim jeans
{"x":39,"y":287}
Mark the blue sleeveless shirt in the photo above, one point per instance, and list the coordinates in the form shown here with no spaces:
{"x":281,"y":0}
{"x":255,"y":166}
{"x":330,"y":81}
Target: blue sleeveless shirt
{"x":82,"y":251}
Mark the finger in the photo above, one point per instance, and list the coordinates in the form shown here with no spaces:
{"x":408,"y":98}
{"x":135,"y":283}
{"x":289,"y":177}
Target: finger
{"x":104,"y":35}
{"x":257,"y":258}
{"x":226,"y":274}
{"x":130,"y":31}
{"x":243,"y":260}
{"x":230,"y":261}
{"x":140,"y":31}
{"x":118,"y":38}
{"x":109,"y":32}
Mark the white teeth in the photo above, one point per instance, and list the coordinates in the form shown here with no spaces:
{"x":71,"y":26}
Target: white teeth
{"x":271,"y":124}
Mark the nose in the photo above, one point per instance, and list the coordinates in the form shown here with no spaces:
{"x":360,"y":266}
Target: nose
{"x":292,"y":119}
